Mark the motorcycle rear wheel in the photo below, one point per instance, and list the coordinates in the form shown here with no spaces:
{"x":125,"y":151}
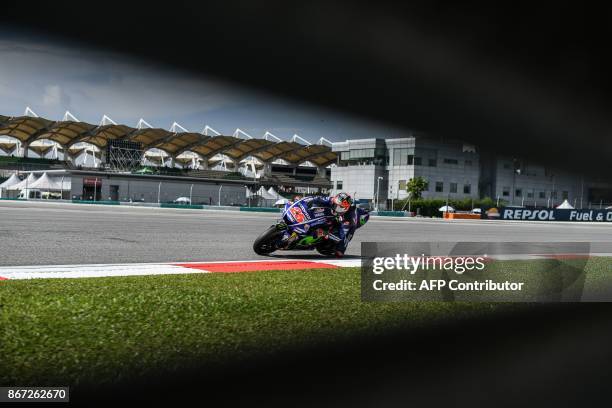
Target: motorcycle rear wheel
{"x":327,"y":248}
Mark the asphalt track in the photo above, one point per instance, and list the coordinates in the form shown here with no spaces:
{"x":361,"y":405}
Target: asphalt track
{"x":38,"y":233}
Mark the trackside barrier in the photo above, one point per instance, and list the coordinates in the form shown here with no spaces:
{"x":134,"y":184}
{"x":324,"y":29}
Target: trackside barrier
{"x":13,"y":199}
{"x":557,"y":214}
{"x":102,"y":202}
{"x":206,"y":207}
{"x":185,"y":206}
{"x":260,"y":209}
{"x":461,"y":216}
{"x":139,"y":204}
{"x":221,"y":207}
{"x":391,"y":213}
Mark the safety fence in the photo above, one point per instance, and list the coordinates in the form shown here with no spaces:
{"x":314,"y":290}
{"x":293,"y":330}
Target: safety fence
{"x":101,"y":202}
{"x":174,"y":205}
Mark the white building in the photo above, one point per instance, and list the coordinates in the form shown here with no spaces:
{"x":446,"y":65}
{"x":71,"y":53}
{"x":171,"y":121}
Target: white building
{"x":455,"y":170}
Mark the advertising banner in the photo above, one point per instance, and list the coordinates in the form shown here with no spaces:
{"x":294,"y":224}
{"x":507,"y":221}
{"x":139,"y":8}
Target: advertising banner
{"x":92,"y":181}
{"x":549,"y":214}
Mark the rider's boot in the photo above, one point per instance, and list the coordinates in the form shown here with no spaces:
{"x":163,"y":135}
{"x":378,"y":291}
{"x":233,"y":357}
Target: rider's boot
{"x":290,"y":238}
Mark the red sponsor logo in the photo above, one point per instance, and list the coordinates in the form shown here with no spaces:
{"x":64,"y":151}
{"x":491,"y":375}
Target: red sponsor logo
{"x":92,"y":181}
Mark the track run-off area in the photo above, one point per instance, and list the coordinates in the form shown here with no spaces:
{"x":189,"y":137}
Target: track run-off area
{"x":161,"y":240}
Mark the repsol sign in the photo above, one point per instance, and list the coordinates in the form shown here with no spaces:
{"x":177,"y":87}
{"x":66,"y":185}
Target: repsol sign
{"x":556,"y":215}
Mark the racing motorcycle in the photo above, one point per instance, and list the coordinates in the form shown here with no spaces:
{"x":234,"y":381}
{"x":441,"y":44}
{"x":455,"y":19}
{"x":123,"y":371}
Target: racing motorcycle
{"x":317,"y":232}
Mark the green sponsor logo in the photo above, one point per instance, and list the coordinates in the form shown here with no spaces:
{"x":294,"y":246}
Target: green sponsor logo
{"x":309,"y":240}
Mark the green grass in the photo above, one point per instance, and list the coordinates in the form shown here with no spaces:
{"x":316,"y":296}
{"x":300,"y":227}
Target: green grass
{"x":99,"y":330}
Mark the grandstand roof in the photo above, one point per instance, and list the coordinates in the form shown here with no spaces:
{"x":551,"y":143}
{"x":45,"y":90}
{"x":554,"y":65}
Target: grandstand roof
{"x":8,"y":147}
{"x":28,"y":129}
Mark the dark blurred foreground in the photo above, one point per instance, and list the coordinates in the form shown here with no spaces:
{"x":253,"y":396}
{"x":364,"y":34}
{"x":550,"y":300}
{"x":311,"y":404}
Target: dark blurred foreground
{"x":532,"y":82}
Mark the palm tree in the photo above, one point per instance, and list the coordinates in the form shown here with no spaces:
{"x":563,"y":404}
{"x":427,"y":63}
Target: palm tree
{"x":416,"y":186}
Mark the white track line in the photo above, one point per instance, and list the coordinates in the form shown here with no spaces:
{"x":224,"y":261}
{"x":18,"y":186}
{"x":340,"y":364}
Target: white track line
{"x":92,"y":271}
{"x":137,"y":269}
{"x":175,"y":268}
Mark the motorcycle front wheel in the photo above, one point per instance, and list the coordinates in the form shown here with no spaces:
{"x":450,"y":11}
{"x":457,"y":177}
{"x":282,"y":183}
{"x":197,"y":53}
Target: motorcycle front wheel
{"x":265,"y":244}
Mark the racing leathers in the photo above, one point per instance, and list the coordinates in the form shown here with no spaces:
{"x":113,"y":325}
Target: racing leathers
{"x":351,"y":220}
{"x":316,"y":216}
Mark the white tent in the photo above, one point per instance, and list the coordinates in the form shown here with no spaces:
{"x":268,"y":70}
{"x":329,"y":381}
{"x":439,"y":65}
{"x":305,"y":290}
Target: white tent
{"x":273,"y":193}
{"x":281,"y":202}
{"x":27,"y":182}
{"x":565,"y":205}
{"x":46,"y":183}
{"x":249,"y":193}
{"x":263,"y":193}
{"x":11,"y":181}
{"x":446,"y":208}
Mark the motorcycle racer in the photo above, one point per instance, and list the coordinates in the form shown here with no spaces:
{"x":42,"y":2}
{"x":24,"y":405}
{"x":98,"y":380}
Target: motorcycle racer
{"x":351,"y":219}
{"x":332,"y":217}
{"x":326,"y":224}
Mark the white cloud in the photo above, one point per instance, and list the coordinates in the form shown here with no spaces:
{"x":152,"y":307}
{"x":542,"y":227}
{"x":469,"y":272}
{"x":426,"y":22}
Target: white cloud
{"x":55,"y":97}
{"x":52,"y":78}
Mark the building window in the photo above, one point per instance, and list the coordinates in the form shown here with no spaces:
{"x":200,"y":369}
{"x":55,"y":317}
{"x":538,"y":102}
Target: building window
{"x":453,"y":187}
{"x":361,"y":153}
{"x":402,"y":157}
{"x":468,"y":162}
{"x":467,"y":189}
{"x":530,"y":194}
{"x":518,"y":192}
{"x":439,"y":186}
{"x":506,"y":191}
{"x":402,"y":185}
{"x":377,"y":156}
{"x":418,"y":161}
{"x":565,"y":195}
{"x":339,"y":185}
{"x":433,"y":162}
{"x":542,"y":194}
{"x":451,"y":161}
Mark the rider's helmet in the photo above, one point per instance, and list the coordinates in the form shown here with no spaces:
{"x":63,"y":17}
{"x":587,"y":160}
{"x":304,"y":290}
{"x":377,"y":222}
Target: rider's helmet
{"x":342,"y":202}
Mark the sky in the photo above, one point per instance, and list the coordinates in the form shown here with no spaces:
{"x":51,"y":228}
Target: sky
{"x":51,"y":77}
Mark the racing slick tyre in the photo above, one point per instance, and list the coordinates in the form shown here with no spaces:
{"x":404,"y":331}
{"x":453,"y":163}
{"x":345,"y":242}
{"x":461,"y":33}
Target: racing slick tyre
{"x":265,"y":244}
{"x":327,"y":248}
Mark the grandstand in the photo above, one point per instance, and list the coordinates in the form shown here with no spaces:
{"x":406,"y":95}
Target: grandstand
{"x":143,"y":151}
{"x":67,"y":134}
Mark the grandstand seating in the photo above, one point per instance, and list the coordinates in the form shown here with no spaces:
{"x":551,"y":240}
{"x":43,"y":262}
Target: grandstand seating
{"x":29,"y":163}
{"x":171,"y":171}
{"x":321,"y":180}
{"x":234,"y":175}
{"x":283,"y":179}
{"x":26,"y":163}
{"x":216,"y":174}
